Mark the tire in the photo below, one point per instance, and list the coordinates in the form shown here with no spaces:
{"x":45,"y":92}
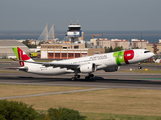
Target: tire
{"x":87,"y":77}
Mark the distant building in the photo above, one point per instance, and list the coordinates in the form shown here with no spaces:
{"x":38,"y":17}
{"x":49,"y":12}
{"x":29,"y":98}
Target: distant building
{"x":20,"y":40}
{"x":34,"y":42}
{"x":94,"y":41}
{"x":7,"y":45}
{"x":66,"y":42}
{"x":135,"y":43}
{"x":37,"y":49}
{"x":120,"y":42}
{"x":89,"y":44}
{"x":67,"y":51}
{"x":159,"y":40}
{"x":82,"y":36}
{"x":104,"y":42}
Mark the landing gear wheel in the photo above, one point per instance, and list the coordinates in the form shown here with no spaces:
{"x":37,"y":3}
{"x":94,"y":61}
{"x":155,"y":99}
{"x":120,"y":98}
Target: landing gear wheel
{"x":73,"y":78}
{"x":91,"y":75}
{"x":87,"y":77}
{"x":77,"y":76}
{"x":139,"y":67}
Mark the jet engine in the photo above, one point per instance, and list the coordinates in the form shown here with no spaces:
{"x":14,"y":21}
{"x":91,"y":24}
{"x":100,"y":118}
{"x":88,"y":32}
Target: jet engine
{"x":24,"y":69}
{"x":88,"y":68}
{"x":111,"y":69}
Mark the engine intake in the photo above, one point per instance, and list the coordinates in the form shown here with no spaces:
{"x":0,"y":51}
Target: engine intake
{"x":88,"y":68}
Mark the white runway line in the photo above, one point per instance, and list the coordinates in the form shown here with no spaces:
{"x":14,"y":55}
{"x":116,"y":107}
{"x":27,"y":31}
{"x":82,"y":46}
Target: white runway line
{"x":51,"y":93}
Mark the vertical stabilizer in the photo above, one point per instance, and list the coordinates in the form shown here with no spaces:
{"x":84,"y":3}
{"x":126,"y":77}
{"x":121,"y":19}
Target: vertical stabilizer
{"x":21,"y":55}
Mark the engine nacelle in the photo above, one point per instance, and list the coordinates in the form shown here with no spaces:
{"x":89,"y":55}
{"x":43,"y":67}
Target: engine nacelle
{"x":111,"y":69}
{"x":88,"y":68}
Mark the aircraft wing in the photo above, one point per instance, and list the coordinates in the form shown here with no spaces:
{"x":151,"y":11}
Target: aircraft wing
{"x":61,"y":65}
{"x":53,"y":64}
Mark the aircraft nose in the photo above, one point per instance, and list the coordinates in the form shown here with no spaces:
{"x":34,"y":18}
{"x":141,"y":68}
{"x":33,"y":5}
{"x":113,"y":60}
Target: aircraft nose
{"x":152,"y":54}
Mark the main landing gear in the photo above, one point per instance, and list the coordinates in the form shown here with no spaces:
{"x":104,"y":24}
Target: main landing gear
{"x":89,"y":76}
{"x":75,"y":77}
{"x":78,"y":76}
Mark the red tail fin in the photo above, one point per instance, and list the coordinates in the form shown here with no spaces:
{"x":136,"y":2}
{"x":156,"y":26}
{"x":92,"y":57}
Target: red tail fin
{"x":20,"y":55}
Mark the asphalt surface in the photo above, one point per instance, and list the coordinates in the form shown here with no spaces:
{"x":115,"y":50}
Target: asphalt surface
{"x":101,"y":80}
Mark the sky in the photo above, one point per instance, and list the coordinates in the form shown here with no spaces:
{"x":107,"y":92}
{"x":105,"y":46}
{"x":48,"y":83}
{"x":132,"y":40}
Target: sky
{"x":95,"y":15}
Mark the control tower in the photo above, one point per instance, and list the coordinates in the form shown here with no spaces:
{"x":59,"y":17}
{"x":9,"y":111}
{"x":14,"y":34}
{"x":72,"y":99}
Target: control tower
{"x":74,"y":32}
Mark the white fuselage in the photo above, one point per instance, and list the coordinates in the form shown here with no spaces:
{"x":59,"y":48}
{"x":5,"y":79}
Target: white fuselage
{"x":101,"y":60}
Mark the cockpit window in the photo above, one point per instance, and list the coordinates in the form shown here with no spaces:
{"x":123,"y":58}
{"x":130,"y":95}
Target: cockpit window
{"x":146,"y":51}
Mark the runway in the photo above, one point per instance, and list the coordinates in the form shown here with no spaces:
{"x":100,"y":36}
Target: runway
{"x":113,"y":80}
{"x":101,"y":80}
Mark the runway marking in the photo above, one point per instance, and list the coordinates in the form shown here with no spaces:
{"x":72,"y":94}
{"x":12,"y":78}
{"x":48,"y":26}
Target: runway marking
{"x":51,"y":93}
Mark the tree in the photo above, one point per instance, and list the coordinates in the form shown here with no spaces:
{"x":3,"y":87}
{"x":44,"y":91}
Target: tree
{"x":64,"y":114}
{"x":118,"y":48}
{"x":85,"y":44}
{"x":107,"y":50}
{"x":111,"y":49}
{"x":27,"y":43}
{"x":11,"y":110}
{"x":42,"y":42}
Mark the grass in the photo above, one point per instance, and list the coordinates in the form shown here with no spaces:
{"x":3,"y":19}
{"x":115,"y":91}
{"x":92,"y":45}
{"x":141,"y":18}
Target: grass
{"x":15,"y":90}
{"x":103,"y":116}
{"x":109,"y":104}
{"x":151,"y":64}
{"x":143,"y":71}
{"x":11,"y":71}
{"x":101,"y":102}
{"x":4,"y":60}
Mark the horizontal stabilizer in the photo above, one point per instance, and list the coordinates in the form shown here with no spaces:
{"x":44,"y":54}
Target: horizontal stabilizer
{"x":18,"y":68}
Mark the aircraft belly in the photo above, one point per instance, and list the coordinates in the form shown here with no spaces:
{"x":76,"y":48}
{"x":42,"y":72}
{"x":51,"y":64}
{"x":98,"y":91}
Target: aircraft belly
{"x":50,"y":71}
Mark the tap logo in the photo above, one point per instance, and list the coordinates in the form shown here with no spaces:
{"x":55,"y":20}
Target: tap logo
{"x":123,"y":57}
{"x":20,"y":55}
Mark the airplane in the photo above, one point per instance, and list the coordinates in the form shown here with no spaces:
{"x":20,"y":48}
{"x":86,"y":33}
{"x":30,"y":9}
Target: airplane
{"x":108,"y":62}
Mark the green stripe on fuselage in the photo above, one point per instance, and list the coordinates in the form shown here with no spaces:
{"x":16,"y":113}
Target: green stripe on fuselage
{"x":119,"y":57}
{"x":15,"y":50}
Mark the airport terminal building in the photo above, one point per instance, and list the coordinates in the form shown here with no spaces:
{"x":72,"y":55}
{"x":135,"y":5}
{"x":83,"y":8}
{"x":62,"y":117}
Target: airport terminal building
{"x":67,"y":51}
{"x":6,"y":48}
